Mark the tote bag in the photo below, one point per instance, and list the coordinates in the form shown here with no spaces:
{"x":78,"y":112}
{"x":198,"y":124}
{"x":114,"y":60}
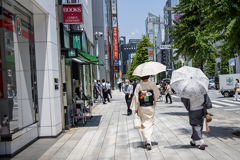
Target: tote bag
{"x":137,"y":122}
{"x":205,"y":126}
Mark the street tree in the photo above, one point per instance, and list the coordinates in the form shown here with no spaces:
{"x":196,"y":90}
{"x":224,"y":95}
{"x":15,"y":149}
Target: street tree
{"x":191,"y":36}
{"x":179,"y":64}
{"x":210,"y":65}
{"x":140,"y":57}
{"x":224,"y":24}
{"x":224,"y":65}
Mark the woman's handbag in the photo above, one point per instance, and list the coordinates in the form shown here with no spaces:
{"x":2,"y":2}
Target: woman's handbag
{"x":137,"y":122}
{"x":238,"y":90}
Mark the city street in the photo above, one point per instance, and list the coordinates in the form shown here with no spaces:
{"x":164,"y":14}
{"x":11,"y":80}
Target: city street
{"x":110,"y":135}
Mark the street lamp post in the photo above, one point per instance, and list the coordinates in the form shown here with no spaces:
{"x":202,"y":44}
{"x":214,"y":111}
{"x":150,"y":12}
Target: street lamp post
{"x":97,"y":35}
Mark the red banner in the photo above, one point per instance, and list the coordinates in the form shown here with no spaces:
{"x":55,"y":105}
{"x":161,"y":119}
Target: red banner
{"x":72,"y":13}
{"x":115,"y":42}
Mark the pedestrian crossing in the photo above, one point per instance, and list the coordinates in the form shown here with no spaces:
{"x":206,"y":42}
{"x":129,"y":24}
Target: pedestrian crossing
{"x":224,"y":103}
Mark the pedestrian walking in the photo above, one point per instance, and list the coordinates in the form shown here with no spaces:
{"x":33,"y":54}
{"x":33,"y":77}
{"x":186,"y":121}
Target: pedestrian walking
{"x":191,"y":84}
{"x":99,"y":90}
{"x":120,"y":86}
{"x":109,"y":89}
{"x":197,"y":110}
{"x":105,"y":91}
{"x":168,"y":93}
{"x":144,"y":102}
{"x":95,"y":89}
{"x":128,"y":91}
{"x":237,"y":85}
{"x":134,"y":84}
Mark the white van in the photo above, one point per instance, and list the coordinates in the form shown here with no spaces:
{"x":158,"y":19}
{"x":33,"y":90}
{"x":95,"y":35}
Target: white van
{"x":227,"y":84}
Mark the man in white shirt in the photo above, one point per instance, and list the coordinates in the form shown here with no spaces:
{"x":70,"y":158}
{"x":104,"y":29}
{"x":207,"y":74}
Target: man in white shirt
{"x":109,"y":89}
{"x":105,"y":91}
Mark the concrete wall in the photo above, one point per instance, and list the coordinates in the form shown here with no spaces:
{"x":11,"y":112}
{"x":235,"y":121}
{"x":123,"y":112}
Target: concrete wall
{"x":98,"y":26}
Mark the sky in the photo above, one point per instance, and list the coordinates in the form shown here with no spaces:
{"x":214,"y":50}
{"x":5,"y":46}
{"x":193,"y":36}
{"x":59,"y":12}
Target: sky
{"x":132,"y":15}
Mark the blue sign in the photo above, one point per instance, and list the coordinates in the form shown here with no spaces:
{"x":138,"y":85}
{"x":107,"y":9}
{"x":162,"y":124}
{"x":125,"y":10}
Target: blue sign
{"x":116,"y":62}
{"x":108,"y":62}
{"x":232,"y":61}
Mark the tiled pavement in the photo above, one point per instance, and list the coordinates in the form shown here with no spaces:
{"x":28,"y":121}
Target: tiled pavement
{"x":110,"y":135}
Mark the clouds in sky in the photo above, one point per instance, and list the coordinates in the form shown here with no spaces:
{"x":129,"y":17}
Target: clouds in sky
{"x":134,"y":35}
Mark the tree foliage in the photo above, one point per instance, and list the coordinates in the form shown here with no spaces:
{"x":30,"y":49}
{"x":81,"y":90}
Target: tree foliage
{"x":140,"y":57}
{"x":224,"y":65}
{"x":224,"y":24}
{"x":179,"y":64}
{"x":210,"y":65}
{"x":191,"y":36}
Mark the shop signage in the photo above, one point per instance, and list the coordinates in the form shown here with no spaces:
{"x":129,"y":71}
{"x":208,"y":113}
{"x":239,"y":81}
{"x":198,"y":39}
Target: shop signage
{"x":76,"y":41}
{"x":18,"y":26}
{"x":114,"y":6}
{"x":115,"y":40}
{"x":72,"y":13}
{"x":71,"y":53}
{"x":116,"y":63}
{"x":150,"y":54}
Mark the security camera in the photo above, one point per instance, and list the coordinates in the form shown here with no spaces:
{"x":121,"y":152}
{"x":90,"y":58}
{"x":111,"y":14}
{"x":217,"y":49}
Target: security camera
{"x":100,"y":34}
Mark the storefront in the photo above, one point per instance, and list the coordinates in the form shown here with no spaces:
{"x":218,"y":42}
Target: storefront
{"x":18,"y":81}
{"x":30,"y":101}
{"x":76,"y":68}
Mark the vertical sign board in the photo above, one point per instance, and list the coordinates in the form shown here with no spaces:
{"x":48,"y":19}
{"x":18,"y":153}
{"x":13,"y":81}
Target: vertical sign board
{"x":115,"y":40}
{"x":72,"y":13}
{"x":232,"y":62}
{"x":114,"y":6}
{"x":150,"y":54}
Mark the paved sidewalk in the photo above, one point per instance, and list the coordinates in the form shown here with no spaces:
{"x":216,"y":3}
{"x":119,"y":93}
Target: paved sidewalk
{"x":110,"y":135}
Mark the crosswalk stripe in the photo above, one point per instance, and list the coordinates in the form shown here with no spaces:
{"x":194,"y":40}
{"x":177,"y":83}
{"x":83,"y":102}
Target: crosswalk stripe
{"x":232,"y":109}
{"x":221,"y":103}
{"x":175,"y":96}
{"x":231,"y":101}
{"x":216,"y":106}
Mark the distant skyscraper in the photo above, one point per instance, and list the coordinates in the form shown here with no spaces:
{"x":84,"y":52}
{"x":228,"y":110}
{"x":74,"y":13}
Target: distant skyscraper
{"x":151,"y":18}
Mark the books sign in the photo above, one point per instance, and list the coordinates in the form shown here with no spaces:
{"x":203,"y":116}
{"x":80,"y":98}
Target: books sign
{"x":72,"y":13}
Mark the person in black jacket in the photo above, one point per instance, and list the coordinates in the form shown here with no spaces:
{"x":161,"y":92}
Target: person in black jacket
{"x":134,"y":84}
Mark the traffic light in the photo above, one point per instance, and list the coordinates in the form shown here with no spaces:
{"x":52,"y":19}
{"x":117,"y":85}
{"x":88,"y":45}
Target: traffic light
{"x":163,"y":60}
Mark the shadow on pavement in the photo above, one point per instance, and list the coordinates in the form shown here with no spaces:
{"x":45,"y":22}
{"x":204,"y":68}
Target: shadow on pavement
{"x":183,"y":146}
{"x":141,"y":144}
{"x":93,"y":122}
{"x":176,"y":113}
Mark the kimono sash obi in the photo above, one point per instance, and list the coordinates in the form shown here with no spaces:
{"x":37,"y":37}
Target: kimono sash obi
{"x":146,"y":98}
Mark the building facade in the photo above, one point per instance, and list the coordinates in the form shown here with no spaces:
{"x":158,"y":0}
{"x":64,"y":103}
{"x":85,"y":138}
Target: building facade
{"x":127,"y":51}
{"x":29,"y":65}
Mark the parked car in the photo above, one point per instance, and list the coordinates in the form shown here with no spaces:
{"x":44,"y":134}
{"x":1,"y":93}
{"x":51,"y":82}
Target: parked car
{"x":227,"y":84}
{"x":211,"y":84}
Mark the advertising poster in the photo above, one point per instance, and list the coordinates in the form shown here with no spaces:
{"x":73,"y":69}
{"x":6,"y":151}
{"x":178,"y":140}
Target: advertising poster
{"x":150,"y":54}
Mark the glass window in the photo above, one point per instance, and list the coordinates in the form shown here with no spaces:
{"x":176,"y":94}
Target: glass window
{"x":18,"y":69}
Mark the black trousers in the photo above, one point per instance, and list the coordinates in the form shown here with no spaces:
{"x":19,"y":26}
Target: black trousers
{"x":168,"y":95}
{"x":128,"y":101}
{"x":109,"y":92}
{"x":105,"y":96}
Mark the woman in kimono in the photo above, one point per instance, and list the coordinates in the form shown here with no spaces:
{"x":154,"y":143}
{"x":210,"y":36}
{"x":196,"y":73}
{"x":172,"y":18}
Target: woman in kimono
{"x":196,"y":114}
{"x":146,"y":111}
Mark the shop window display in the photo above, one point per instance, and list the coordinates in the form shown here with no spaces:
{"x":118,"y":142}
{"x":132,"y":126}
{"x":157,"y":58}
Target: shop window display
{"x":18,"y":86}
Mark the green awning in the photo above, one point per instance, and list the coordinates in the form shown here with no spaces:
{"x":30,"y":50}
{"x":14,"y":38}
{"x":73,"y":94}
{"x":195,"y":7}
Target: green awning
{"x":10,"y":59}
{"x":93,"y":59}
